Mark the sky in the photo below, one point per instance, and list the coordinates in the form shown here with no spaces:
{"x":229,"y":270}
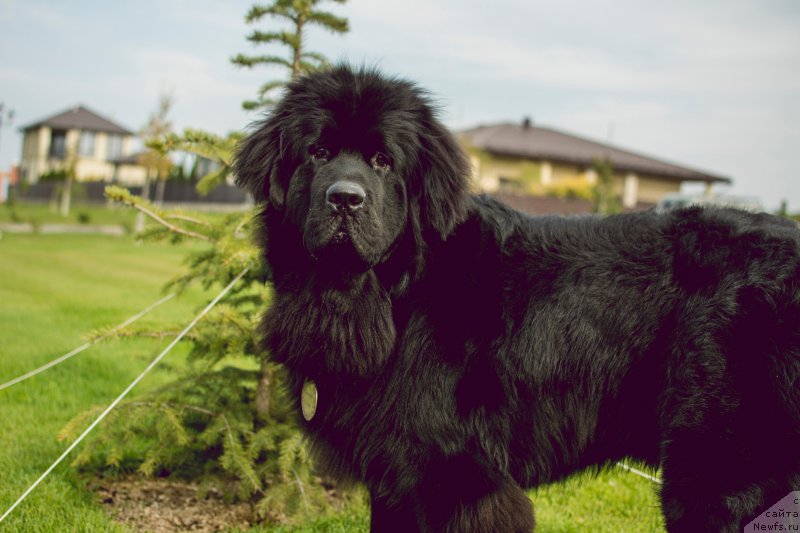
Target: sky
{"x":712,"y":84}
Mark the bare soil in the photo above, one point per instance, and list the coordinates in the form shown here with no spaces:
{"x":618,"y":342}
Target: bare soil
{"x":160,"y":506}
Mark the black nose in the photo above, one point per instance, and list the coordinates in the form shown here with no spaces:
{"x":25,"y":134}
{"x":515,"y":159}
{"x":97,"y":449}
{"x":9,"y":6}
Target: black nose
{"x":345,"y":195}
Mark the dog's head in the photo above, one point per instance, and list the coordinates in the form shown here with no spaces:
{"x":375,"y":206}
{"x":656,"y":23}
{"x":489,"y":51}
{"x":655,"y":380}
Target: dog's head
{"x":352,"y":159}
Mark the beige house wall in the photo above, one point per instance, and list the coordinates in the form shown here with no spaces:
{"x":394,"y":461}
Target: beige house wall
{"x":32,"y":145}
{"x":532,"y":177}
{"x":130,"y":175}
{"x":95,"y":167}
{"x":652,"y":189}
{"x":495,"y":171}
{"x":491,"y":173}
{"x":92,"y":169}
{"x":564,"y":173}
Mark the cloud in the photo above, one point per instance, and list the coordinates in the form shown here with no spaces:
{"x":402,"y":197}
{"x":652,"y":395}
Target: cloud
{"x":753,"y":145}
{"x":205,"y":13}
{"x":47,"y":16}
{"x":207,"y":91}
{"x":596,"y":46}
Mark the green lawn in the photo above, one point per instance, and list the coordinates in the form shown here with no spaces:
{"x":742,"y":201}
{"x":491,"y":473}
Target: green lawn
{"x":80,"y":213}
{"x":55,"y":288}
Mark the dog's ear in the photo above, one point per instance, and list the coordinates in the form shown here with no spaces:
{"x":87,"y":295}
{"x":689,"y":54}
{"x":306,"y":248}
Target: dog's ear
{"x":445,"y":174}
{"x":258,"y":160}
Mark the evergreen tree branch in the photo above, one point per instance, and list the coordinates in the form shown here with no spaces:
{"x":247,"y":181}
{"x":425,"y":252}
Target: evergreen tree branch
{"x":306,"y":67}
{"x":328,"y":21}
{"x":251,"y":61}
{"x":284,"y":37}
{"x":123,"y":196}
{"x":316,"y":56}
{"x":208,"y":182}
{"x":270,"y":86}
{"x":252,"y":105}
{"x":281,"y":8}
{"x":185,"y":218}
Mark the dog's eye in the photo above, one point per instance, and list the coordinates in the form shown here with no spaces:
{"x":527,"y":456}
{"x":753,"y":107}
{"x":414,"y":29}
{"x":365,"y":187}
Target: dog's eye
{"x":320,"y":153}
{"x":380,"y":161}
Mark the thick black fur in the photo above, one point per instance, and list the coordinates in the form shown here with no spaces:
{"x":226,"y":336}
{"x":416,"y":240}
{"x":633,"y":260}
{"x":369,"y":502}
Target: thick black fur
{"x":464,"y":351}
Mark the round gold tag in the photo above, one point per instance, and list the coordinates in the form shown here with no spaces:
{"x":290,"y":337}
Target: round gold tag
{"x":308,"y":400}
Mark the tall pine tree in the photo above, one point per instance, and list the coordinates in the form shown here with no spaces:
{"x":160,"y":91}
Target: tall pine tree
{"x":299,"y":14}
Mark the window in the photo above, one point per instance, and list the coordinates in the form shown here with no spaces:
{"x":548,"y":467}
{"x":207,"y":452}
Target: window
{"x":86,"y":143}
{"x":58,"y":144}
{"x":113,"y":147}
{"x":509,"y":185}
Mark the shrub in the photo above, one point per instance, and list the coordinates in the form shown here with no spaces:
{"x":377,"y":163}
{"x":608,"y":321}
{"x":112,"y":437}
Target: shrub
{"x":571,"y":188}
{"x":226,"y":420}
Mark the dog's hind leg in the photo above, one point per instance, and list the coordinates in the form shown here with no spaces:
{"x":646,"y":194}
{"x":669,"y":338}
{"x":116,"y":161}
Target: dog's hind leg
{"x":690,"y":505}
{"x":725,"y":464}
{"x":701,"y":509}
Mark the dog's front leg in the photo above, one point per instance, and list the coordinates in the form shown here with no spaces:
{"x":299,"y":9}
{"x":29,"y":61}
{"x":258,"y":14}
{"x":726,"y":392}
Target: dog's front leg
{"x":398,"y":515}
{"x":459,"y":493}
{"x":504,"y":510}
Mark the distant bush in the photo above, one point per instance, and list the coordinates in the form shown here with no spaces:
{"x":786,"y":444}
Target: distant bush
{"x":571,"y":188}
{"x":54,"y":175}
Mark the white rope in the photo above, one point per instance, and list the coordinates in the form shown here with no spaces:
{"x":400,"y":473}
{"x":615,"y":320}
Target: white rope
{"x":639,"y":473}
{"x":126,"y":391}
{"x":79,"y":349}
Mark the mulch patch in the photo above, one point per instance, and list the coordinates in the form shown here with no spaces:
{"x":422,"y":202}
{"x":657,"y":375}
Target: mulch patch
{"x":161,"y":506}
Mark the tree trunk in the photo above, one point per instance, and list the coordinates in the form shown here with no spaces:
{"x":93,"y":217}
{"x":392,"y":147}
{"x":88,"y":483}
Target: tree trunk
{"x":139,"y":226}
{"x":160,"y":186}
{"x":262,"y":400}
{"x":298,"y":51}
{"x":66,"y":197}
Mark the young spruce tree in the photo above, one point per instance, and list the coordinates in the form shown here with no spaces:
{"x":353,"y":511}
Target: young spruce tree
{"x":299,"y":14}
{"x":226,"y":420}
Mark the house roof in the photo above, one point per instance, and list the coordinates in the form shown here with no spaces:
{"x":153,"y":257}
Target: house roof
{"x":82,"y":118}
{"x":534,"y":142}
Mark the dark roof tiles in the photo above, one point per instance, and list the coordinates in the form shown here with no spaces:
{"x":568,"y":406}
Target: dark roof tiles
{"x":79,"y":117}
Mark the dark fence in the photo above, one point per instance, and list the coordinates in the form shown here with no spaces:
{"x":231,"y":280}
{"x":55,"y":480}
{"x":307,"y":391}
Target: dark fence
{"x":174,"y":192}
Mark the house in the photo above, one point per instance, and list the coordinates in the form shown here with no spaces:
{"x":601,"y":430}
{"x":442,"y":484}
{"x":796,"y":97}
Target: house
{"x":81,"y":137}
{"x":523,"y":159}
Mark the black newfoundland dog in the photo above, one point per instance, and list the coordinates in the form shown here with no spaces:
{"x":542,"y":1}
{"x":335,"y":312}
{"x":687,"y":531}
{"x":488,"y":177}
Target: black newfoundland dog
{"x":449,"y":352}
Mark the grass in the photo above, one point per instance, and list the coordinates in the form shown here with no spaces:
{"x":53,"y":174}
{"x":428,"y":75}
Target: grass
{"x":611,"y":502}
{"x":55,"y":288}
{"x":80,"y":213}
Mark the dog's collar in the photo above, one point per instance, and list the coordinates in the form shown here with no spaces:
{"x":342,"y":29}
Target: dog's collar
{"x":309,"y":396}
